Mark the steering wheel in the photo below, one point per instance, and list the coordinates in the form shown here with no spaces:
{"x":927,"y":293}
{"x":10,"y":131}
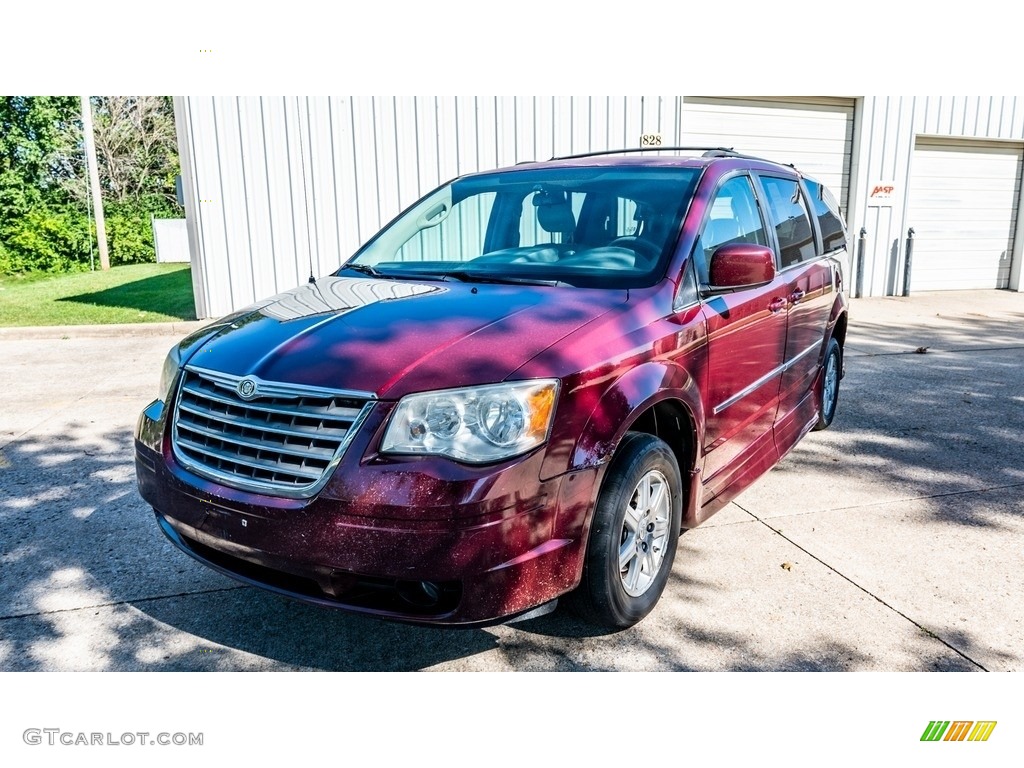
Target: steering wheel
{"x":645,"y":249}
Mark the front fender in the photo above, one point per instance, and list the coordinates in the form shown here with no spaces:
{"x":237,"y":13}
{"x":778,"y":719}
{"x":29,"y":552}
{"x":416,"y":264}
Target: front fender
{"x":630,"y":396}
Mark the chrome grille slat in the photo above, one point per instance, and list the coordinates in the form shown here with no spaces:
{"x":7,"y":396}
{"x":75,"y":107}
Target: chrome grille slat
{"x":225,"y":418}
{"x":286,"y":440}
{"x":340,"y":414}
{"x":276,"y":468}
{"x":291,"y":450}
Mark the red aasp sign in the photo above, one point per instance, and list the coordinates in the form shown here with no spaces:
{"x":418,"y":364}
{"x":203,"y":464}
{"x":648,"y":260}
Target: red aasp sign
{"x":881,"y":193}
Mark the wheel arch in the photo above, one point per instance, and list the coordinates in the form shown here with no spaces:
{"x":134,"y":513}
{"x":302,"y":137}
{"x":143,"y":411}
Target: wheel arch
{"x":658,"y":398}
{"x":839,"y":328}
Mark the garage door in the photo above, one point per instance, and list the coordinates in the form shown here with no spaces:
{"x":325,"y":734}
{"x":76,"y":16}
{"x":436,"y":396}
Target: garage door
{"x":815,"y":135}
{"x":963,"y":208}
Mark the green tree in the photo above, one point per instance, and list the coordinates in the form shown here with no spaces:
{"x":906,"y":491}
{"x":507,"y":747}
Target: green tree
{"x":136,"y":149}
{"x":44,"y":191}
{"x":137,"y":154}
{"x":40,"y":225}
{"x":32,"y":132}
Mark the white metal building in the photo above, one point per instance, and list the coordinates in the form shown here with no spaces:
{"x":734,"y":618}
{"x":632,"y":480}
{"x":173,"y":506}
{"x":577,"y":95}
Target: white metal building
{"x":278,"y":186}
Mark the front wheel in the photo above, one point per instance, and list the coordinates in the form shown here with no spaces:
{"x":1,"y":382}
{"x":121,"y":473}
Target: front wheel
{"x":828,"y":392}
{"x":634,"y":534}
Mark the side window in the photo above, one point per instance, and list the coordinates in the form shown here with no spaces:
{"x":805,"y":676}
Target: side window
{"x":833,"y":231}
{"x":792,"y":224}
{"x":734,"y":218}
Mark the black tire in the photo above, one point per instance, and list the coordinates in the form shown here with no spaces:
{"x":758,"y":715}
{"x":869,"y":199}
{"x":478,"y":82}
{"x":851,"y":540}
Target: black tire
{"x":828,"y":389}
{"x":616,"y":597}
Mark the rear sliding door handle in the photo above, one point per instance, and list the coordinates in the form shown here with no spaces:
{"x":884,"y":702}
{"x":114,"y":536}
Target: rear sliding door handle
{"x":795,"y":296}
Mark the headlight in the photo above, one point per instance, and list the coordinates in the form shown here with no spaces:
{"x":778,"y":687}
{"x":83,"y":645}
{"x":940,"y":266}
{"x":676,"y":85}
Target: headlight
{"x":475,"y":424}
{"x":171,"y":365}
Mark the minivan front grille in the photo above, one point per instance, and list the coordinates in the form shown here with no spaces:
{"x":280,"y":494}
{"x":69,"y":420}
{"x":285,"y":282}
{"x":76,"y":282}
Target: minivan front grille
{"x":260,"y":435}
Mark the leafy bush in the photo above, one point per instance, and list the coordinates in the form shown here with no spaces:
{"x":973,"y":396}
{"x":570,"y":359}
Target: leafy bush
{"x":130,"y":229}
{"x":57,"y":240}
{"x":129,"y":239}
{"x":45,"y":240}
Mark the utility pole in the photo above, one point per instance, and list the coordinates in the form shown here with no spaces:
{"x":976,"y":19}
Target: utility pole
{"x":94,"y":181}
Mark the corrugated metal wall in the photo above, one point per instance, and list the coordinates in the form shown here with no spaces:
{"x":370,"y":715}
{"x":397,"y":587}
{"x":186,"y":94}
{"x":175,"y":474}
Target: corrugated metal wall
{"x":274,"y":184}
{"x":889,"y":126}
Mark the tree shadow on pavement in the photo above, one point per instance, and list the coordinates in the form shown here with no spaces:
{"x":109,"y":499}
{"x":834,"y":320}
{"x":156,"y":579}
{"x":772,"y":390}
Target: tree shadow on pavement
{"x":89,"y":582}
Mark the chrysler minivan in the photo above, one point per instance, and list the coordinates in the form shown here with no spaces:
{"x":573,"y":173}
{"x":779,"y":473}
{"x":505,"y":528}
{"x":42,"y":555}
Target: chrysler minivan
{"x":524,"y":387}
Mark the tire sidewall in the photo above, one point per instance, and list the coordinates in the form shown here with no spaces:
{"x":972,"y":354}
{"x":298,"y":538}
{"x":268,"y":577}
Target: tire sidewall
{"x":827,"y":410}
{"x":638,"y":454}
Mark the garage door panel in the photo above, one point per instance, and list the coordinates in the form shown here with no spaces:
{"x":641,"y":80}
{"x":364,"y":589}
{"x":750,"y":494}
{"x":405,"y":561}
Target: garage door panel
{"x":956,"y":165}
{"x":967,"y":162}
{"x":960,"y":243}
{"x":983,"y":277}
{"x":984,"y":199}
{"x":774,"y":107}
{"x":979,"y":241}
{"x":965,"y":269}
{"x":816,"y":135}
{"x":982,"y":238}
{"x":963,"y":208}
{"x":981,"y":198}
{"x":956,"y":285}
{"x":964,"y":264}
{"x":766,"y":144}
{"x":780,"y":130}
{"x":982,"y":224}
{"x":997,"y":209}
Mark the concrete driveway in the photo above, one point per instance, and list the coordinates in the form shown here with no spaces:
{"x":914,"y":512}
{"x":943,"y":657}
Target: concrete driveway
{"x":891,"y":541}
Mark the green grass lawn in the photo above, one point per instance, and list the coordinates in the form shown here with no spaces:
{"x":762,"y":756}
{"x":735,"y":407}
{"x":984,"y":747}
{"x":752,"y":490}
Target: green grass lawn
{"x":136,"y":293}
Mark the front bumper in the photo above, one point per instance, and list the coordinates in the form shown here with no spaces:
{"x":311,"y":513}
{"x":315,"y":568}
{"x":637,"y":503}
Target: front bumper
{"x":408,"y":539}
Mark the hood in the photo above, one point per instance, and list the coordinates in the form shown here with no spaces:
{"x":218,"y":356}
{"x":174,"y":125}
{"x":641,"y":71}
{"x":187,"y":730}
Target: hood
{"x":392,"y":337}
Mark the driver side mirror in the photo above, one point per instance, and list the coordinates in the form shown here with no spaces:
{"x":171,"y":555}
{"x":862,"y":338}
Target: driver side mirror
{"x":741,"y":265}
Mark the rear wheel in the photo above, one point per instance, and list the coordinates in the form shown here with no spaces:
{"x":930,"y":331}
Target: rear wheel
{"x":828,"y":392}
{"x":634,"y":534}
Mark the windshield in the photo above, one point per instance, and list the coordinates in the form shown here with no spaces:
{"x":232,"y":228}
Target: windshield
{"x":596,"y":227}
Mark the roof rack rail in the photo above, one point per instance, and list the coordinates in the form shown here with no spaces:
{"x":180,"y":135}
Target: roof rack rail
{"x":727,"y":152}
{"x":708,"y":152}
{"x":717,"y":152}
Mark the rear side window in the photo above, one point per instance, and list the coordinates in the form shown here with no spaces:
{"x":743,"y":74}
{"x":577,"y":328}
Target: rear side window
{"x":792,"y":223}
{"x":833,"y":231}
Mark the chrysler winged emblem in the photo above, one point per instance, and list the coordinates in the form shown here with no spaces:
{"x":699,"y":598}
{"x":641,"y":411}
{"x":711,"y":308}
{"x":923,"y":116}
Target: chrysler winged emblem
{"x":246,"y":389}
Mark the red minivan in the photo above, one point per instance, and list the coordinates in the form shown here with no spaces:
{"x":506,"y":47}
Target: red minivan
{"x":523,"y":387}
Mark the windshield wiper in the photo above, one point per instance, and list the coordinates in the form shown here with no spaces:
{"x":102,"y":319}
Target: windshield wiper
{"x":470,"y":276}
{"x":464,"y":275}
{"x":366,"y":269}
{"x":412,"y":274}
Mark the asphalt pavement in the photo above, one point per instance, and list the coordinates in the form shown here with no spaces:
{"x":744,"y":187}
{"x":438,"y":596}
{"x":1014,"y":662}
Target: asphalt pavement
{"x":889,"y":542}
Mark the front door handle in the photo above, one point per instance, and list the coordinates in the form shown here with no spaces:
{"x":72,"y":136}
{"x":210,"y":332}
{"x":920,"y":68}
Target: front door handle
{"x":776,"y":305}
{"x":795,"y":296}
